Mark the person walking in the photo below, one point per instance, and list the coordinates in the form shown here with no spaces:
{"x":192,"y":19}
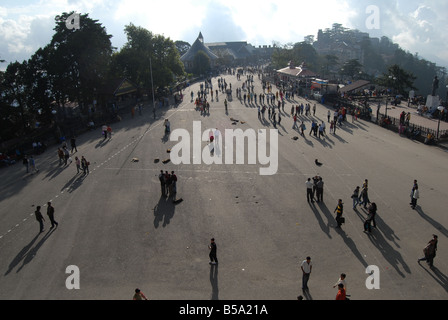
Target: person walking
{"x":339,"y":211}
{"x":430,"y":251}
{"x":306,"y":268}
{"x":370,"y":218}
{"x":341,"y":295}
{"x":364,"y":196}
{"x":212,"y":254}
{"x":84,"y":165}
{"x":309,"y":190}
{"x":415,"y":196}
{"x":39,"y":218}
{"x":355,"y":197}
{"x":50,"y":213}
{"x":138,"y":295}
{"x":341,"y":280}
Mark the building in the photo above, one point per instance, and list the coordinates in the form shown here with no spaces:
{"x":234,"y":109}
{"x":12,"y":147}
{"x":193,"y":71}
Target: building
{"x":198,"y":45}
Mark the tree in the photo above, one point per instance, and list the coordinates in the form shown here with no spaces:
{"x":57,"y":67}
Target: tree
{"x":182,"y":47}
{"x":351,"y":68}
{"x":398,"y":80}
{"x":78,"y":59}
{"x":144,"y":50}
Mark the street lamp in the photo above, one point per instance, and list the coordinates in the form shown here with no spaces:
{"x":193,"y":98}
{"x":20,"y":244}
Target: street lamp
{"x":440,"y":108}
{"x":447,"y":95}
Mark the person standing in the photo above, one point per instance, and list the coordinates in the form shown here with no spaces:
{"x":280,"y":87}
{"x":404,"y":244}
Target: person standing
{"x":339,"y":210}
{"x":413,"y":188}
{"x":212,"y":254}
{"x":26,"y":163}
{"x":104,"y":130}
{"x":39,"y":218}
{"x":430,"y":251}
{"x":60,"y":156}
{"x":66,"y":155}
{"x":33,"y":165}
{"x":306,"y":268}
{"x":162,"y":183}
{"x":50,"y":213}
{"x":78,"y":165}
{"x":320,"y":190}
{"x":73,"y":144}
{"x":309,"y":190}
{"x":415,"y":196}
{"x":173,"y":187}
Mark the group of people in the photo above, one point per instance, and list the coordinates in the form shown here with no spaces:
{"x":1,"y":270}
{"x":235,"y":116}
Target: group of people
{"x":307,"y":266}
{"x":314,"y":188}
{"x":168,"y":184}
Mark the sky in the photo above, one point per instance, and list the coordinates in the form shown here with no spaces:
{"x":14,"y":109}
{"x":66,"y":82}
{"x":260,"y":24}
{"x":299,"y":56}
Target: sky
{"x":417,"y":26}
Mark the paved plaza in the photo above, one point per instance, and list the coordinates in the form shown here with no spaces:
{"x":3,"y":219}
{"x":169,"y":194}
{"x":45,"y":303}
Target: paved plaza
{"x":119,"y":232}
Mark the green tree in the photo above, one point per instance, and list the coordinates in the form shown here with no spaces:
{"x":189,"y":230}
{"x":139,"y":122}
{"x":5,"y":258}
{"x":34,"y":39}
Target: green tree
{"x":182,"y":47}
{"x":144,"y":50}
{"x":351,"y":68}
{"x":398,"y":80}
{"x":79,"y":59}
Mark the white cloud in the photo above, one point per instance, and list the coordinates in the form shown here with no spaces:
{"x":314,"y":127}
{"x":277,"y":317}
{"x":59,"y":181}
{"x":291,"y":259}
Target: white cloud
{"x":414,"y":24}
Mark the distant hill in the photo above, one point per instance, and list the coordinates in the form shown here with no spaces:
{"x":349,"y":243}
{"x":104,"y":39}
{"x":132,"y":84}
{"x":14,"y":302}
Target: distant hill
{"x":375,"y":55}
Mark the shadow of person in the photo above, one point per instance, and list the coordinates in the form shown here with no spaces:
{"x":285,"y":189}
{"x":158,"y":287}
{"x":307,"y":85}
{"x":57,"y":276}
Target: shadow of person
{"x":28,"y":252}
{"x":163,"y":211}
{"x":438,"y":276}
{"x":430,"y":220}
{"x":214,"y":281}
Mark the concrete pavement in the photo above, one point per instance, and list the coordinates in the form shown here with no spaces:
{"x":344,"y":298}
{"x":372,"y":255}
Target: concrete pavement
{"x":121,"y":234}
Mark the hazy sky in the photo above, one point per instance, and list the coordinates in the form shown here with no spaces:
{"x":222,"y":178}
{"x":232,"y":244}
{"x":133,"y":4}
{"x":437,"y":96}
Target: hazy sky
{"x":417,"y":26}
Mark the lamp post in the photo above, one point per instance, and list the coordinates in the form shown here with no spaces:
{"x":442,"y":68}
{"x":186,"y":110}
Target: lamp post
{"x":440,"y":108}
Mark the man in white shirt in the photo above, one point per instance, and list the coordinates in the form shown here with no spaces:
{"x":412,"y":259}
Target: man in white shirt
{"x":306,"y":267}
{"x":309,"y":190}
{"x":341,"y":280}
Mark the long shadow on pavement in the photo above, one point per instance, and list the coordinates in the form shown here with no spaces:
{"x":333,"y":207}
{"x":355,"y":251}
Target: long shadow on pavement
{"x":163,"y":211}
{"x":28,"y":252}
